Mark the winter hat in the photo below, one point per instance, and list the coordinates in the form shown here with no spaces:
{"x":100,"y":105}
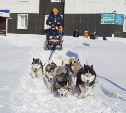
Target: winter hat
{"x":55,"y":10}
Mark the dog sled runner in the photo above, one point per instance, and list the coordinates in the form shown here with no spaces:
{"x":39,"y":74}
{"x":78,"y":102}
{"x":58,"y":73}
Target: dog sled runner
{"x":53,"y":43}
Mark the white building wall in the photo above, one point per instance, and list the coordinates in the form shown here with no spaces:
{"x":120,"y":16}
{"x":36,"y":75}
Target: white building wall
{"x":20,"y":6}
{"x":95,"y":6}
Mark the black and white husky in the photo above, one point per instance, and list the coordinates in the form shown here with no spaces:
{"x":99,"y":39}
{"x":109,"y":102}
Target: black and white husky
{"x":85,"y":80}
{"x":37,"y":68}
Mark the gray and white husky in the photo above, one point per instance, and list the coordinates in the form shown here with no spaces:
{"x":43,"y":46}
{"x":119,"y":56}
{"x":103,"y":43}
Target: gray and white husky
{"x":49,"y":70}
{"x":62,"y":84}
{"x":49,"y":74}
{"x":56,"y":80}
{"x":85,"y":80}
{"x":37,"y":68}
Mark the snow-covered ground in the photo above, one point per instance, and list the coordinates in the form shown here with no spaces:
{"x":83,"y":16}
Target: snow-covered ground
{"x":19,"y":93}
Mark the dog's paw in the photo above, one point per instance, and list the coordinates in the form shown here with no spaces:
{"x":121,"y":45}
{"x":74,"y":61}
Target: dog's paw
{"x":68,"y":94}
{"x":32,"y":75}
{"x":79,"y":97}
{"x":76,"y":95}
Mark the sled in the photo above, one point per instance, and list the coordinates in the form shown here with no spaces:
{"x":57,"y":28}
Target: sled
{"x":54,"y":43}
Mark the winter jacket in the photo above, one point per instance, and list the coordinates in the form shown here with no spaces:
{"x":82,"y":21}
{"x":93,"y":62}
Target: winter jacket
{"x":60,"y":29}
{"x":75,"y":34}
{"x":54,"y":19}
{"x":86,"y":34}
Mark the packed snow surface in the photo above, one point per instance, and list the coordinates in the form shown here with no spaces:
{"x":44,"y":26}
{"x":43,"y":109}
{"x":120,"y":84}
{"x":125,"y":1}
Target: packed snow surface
{"x":20,"y":93}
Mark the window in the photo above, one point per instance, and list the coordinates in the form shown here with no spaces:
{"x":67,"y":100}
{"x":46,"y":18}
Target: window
{"x":124,"y":25}
{"x":22,"y":22}
{"x":45,"y":26}
{"x":55,"y":0}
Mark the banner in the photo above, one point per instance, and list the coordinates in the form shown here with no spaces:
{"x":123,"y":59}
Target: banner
{"x":107,"y":19}
{"x":117,"y":19}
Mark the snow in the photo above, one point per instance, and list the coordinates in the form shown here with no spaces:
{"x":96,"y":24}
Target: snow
{"x":20,"y":93}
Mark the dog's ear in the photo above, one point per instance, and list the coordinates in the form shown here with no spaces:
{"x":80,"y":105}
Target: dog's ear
{"x":40,"y":61}
{"x":37,"y":60}
{"x":33,"y":59}
{"x":92,"y":66}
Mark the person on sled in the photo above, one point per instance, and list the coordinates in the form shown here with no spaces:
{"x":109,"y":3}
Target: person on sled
{"x":54,"y":22}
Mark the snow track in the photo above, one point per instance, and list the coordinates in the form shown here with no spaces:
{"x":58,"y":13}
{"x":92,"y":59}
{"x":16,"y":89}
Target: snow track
{"x":32,"y":95}
{"x":24,"y":94}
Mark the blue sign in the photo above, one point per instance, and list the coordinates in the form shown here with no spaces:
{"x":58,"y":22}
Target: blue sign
{"x":107,"y":19}
{"x":119,"y":19}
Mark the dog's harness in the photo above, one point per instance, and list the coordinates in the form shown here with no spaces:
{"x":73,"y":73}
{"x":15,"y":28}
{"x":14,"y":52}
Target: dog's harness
{"x":49,"y":58}
{"x":87,"y":84}
{"x":68,"y":69}
{"x":37,"y":69}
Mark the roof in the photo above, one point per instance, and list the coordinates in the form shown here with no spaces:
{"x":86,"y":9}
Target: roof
{"x":4,"y":13}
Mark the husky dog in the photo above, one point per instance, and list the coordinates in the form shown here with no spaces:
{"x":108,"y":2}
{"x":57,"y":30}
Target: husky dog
{"x":37,"y":68}
{"x":72,"y":67}
{"x":75,"y":67}
{"x":49,"y":70}
{"x":85,"y":80}
{"x":67,"y":64}
{"x":62,"y":84}
{"x":49,"y":74}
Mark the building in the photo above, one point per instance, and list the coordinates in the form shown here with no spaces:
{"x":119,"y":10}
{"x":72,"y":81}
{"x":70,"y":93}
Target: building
{"x":88,"y":14}
{"x":106,"y":17}
{"x":28,"y":16}
{"x":4,"y":15}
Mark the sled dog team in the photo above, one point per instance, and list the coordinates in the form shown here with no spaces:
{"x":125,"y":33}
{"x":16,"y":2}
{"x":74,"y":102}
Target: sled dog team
{"x":61,"y":78}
